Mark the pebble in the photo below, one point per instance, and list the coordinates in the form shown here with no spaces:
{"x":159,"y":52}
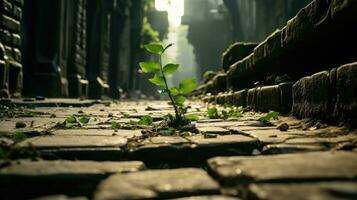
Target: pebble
{"x":283,"y":127}
{"x":20,"y":125}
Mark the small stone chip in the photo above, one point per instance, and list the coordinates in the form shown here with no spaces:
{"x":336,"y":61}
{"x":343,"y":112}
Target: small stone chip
{"x":283,"y":127}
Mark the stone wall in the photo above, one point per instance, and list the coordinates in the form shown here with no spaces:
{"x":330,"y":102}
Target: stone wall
{"x":69,"y":48}
{"x":11,"y":75}
{"x":307,"y":68}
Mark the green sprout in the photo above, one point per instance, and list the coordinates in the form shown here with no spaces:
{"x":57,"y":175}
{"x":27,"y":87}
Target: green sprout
{"x":161,"y":72}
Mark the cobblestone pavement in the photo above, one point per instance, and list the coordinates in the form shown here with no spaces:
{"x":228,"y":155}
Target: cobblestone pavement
{"x":56,"y":153}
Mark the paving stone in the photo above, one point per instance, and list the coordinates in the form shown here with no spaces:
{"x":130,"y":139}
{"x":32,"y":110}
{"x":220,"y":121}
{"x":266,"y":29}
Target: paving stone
{"x":224,"y":124}
{"x":292,"y":148}
{"x":213,"y":197}
{"x":285,"y":168}
{"x":53,"y":177}
{"x":32,"y":124}
{"x":269,"y":136}
{"x":60,"y":197}
{"x":63,"y":141}
{"x":53,"y":102}
{"x":157,"y":184}
{"x":98,"y":132}
{"x":309,"y":191}
{"x":323,"y":140}
{"x":217,"y":130}
{"x":191,"y":150}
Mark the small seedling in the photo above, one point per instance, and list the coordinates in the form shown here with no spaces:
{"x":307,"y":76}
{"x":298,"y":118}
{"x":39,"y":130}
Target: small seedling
{"x":176,"y":94}
{"x":268,"y":117}
{"x":226,"y":113}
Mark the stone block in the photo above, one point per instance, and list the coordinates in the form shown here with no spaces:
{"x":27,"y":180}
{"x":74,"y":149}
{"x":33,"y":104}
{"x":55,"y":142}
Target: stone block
{"x":219,"y":83}
{"x":17,"y":55}
{"x":236,"y":52}
{"x":228,"y":98}
{"x":325,"y":190}
{"x":15,"y":78}
{"x":56,"y":177}
{"x":157,"y":184}
{"x":252,"y":97}
{"x":6,"y":6}
{"x":273,"y":44}
{"x":8,"y":51}
{"x":312,"y":96}
{"x":286,"y":97}
{"x":10,"y":23}
{"x":286,"y":168}
{"x":17,"y":13}
{"x":241,"y":74}
{"x":269,"y":98}
{"x":16,"y":40}
{"x":346,"y":82}
{"x":240,"y":98}
{"x":6,"y":36}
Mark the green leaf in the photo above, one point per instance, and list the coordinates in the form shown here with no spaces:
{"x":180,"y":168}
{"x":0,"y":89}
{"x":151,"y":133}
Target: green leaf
{"x":146,"y":120}
{"x":212,"y":113}
{"x":170,"y":68}
{"x":150,"y":66}
{"x":180,"y":100}
{"x":271,"y":115}
{"x":157,"y":80}
{"x":192,"y":116}
{"x":188,"y":85}
{"x":84,"y":120}
{"x":115,"y":125}
{"x":19,"y":136}
{"x":154,"y":48}
{"x":174,"y":91}
{"x":71,"y":120}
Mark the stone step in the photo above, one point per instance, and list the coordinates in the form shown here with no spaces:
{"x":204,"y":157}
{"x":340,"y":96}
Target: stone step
{"x":157,"y":184}
{"x":236,"y":52}
{"x":74,"y":178}
{"x":319,"y":37}
{"x":327,"y":94}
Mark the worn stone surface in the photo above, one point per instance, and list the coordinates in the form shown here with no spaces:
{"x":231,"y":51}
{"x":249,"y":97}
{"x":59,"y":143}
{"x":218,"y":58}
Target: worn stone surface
{"x":191,"y":150}
{"x":53,"y":177}
{"x":269,"y":98}
{"x":213,"y":197}
{"x":285,"y":168}
{"x":236,"y":52}
{"x":97,"y":132}
{"x":324,"y":190}
{"x":311,"y":96}
{"x":63,"y":141}
{"x":157,"y":184}
{"x":346,"y":100}
{"x":240,"y":98}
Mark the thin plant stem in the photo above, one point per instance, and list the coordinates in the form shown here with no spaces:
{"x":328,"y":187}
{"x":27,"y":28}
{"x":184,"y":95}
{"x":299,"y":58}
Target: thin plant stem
{"x":167,"y":89}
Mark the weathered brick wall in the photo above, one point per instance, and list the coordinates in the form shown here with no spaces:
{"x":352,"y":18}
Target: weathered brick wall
{"x":10,"y":45}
